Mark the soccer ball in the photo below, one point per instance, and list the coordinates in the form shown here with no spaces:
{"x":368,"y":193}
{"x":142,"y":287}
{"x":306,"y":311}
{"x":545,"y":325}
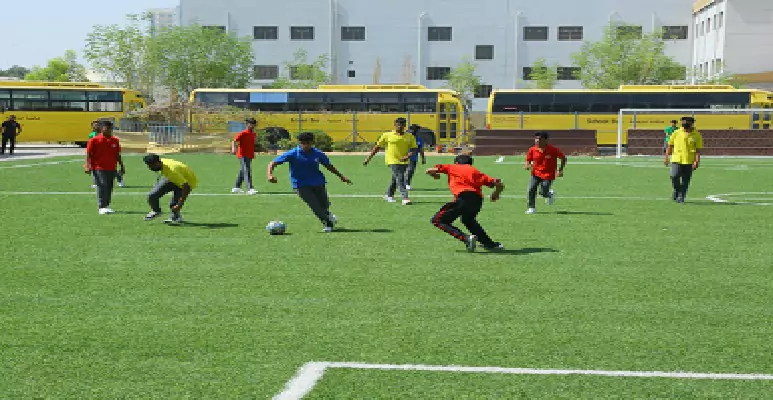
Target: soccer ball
{"x":276,"y":228}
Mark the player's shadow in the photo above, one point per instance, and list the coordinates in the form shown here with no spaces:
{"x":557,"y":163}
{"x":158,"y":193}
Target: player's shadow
{"x":218,"y":225}
{"x":582,"y":213}
{"x":350,"y":230}
{"x":428,"y":202}
{"x":261,"y":192}
{"x":430,"y":190}
{"x":118,"y":189}
{"x":515,"y":252}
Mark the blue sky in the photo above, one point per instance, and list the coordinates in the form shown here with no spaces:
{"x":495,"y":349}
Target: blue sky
{"x":35,"y":31}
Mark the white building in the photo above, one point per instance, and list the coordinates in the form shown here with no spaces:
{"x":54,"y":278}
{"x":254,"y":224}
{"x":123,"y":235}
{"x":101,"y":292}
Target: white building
{"x":164,"y":17}
{"x":419,"y":41}
{"x":734,"y":36}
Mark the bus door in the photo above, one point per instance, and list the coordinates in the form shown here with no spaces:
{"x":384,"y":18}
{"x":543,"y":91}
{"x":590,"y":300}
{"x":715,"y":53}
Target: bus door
{"x":449,"y":118}
{"x":5,"y":101}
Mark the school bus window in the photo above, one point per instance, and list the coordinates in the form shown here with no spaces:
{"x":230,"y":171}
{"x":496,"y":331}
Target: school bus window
{"x":269,"y":107}
{"x":5,"y":94}
{"x":212,"y":98}
{"x":382,"y":98}
{"x":68,"y":106}
{"x":30,"y":94}
{"x":240,"y":100}
{"x":418,"y":107}
{"x":105,"y":106}
{"x":68,"y":95}
{"x":105,"y":96}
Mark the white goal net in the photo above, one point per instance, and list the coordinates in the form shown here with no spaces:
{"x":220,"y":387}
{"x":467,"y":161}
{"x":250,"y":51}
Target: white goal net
{"x":705,"y":119}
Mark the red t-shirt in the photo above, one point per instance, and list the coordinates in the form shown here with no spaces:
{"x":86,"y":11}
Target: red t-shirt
{"x":246,"y":141}
{"x":103,"y":152}
{"x":465,"y":178}
{"x":545,"y":161}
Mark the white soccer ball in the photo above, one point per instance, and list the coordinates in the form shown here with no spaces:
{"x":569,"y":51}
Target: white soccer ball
{"x":276,"y":228}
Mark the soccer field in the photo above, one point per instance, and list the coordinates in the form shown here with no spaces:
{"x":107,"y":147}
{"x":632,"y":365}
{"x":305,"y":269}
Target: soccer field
{"x":613,"y":292}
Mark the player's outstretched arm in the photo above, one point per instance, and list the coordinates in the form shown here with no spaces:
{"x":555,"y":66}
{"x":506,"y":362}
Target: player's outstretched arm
{"x":337,"y":173}
{"x":372,"y":154}
{"x":270,"y":172}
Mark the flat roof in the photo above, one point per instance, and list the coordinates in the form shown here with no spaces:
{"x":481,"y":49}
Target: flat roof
{"x":700,"y":5}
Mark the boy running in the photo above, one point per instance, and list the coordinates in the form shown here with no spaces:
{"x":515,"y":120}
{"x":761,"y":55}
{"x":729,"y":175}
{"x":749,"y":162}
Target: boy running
{"x":399,"y":147}
{"x":465,"y":182}
{"x":307,"y":180}
{"x":103,"y":152}
{"x":542,"y":160}
{"x":243,"y":146}
{"x":119,"y":175}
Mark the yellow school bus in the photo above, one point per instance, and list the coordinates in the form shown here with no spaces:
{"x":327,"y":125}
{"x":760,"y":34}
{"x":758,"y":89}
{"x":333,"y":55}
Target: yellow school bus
{"x":598,"y":109}
{"x":345,"y":112}
{"x":62,"y":112}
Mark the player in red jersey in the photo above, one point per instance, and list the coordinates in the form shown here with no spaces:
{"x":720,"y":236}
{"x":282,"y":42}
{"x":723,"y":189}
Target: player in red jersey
{"x":465,"y":182}
{"x":542,"y":160}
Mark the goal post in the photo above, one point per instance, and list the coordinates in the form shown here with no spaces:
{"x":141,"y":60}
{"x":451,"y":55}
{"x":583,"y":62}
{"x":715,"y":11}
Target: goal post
{"x":712,"y":118}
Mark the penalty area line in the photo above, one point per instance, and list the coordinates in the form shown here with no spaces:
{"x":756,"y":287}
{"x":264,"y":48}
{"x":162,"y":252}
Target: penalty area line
{"x":307,"y":377}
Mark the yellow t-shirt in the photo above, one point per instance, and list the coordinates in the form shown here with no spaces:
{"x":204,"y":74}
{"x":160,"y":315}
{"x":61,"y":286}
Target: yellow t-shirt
{"x":685,"y":146}
{"x":178,"y":173}
{"x":397,"y":146}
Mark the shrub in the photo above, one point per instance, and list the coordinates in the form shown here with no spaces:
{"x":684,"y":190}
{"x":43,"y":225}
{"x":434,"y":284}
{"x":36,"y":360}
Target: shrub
{"x":322,"y":140}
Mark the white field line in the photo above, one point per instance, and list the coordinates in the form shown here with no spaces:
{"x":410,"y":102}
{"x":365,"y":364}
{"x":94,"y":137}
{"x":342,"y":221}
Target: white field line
{"x":118,"y":192}
{"x":39,"y":164}
{"x":311,"y":373}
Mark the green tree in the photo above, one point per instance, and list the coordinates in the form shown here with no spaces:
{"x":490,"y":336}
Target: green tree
{"x":302,"y":74}
{"x":543,"y":76}
{"x":59,"y":69}
{"x":722,"y":78}
{"x":190,"y":57}
{"x":15,"y":72}
{"x":463,"y":80}
{"x":123,"y":53}
{"x":626,"y":56}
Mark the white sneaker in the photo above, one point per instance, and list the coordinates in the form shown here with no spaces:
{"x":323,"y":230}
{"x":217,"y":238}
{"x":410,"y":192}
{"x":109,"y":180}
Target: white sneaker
{"x":551,"y":198}
{"x":327,"y":229}
{"x":103,"y":211}
{"x":109,"y":210}
{"x":407,"y":187}
{"x":252,"y":192}
{"x":93,"y":186}
{"x":389,"y":199}
{"x":121,"y":184}
{"x":236,"y":190}
{"x":151,"y":216}
{"x":332,"y":218}
{"x":531,"y":211}
{"x":407,"y":202}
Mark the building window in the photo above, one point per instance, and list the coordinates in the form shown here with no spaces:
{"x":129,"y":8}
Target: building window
{"x":265,"y":33}
{"x":675,"y":32}
{"x":301,"y":33}
{"x":438,"y":73}
{"x":266,"y":72}
{"x":721,"y":18}
{"x":629,"y":31}
{"x":568,"y":73}
{"x":353,"y":33}
{"x":708,"y":25}
{"x":439,"y":33}
{"x":703,"y":27}
{"x":569,"y":33}
{"x":350,"y":73}
{"x":535,"y":33}
{"x":483,"y":91}
{"x":214,"y":27}
{"x":527,"y":73}
{"x":484,"y":52}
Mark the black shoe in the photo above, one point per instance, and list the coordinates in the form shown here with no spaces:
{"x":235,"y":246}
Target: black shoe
{"x":494,"y":246}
